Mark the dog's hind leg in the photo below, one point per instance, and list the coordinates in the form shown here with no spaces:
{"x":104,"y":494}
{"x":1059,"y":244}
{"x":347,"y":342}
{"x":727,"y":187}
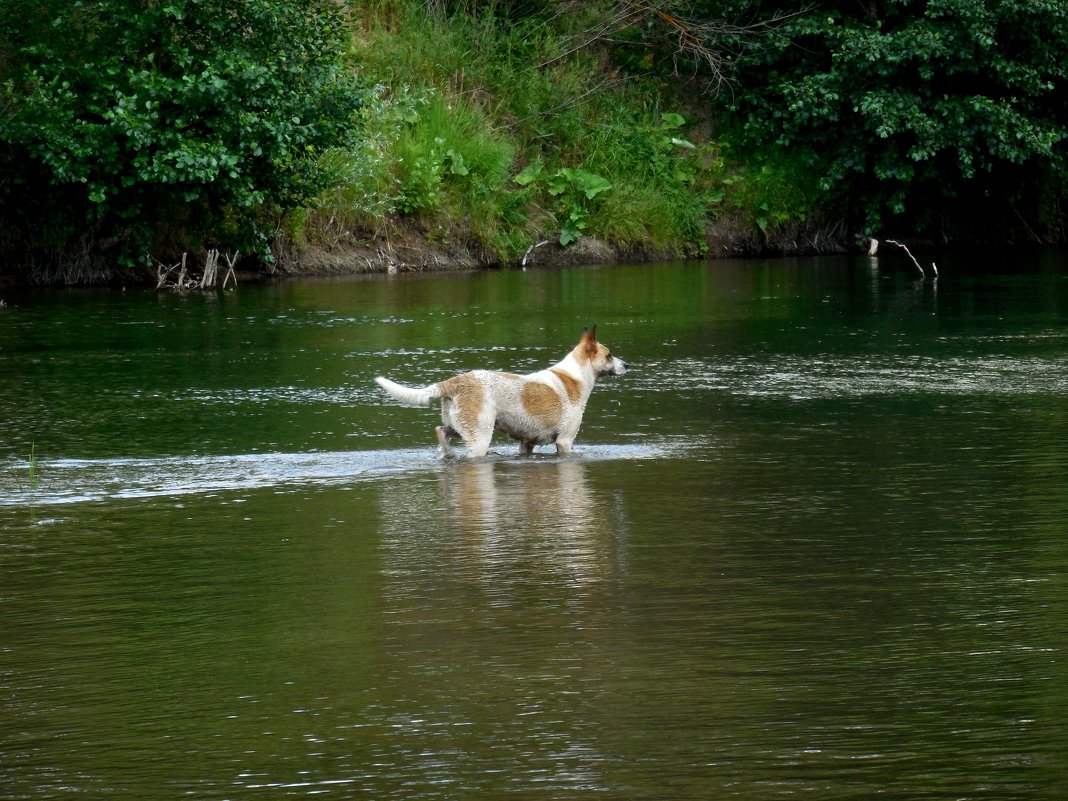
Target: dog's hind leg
{"x":443,"y":441}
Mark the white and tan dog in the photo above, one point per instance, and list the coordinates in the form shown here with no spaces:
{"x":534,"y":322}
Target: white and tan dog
{"x":537,"y":409}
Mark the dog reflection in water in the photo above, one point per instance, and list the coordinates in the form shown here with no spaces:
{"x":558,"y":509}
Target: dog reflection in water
{"x":518,"y":510}
{"x":536,"y":409}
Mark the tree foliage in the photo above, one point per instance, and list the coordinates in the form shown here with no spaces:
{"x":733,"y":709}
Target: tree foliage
{"x":165,"y":123}
{"x":916,"y":114}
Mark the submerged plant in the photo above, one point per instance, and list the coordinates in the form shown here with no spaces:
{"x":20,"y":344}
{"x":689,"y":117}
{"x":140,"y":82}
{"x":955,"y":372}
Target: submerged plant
{"x":32,"y":473}
{"x":35,"y":478}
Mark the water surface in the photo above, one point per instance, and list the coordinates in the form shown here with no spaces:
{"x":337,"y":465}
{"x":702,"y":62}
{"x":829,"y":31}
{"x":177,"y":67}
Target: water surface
{"x":811,"y":545}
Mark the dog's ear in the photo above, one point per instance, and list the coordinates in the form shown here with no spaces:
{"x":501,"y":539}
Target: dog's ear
{"x":589,"y":339}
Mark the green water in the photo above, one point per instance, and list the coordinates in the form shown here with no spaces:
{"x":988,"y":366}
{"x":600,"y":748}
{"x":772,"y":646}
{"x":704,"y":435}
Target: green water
{"x":814,"y":544}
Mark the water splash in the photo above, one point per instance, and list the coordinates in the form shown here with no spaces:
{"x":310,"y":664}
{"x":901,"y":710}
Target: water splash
{"x":67,"y":481}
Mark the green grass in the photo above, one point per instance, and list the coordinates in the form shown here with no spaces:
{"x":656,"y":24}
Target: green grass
{"x":460,"y":105}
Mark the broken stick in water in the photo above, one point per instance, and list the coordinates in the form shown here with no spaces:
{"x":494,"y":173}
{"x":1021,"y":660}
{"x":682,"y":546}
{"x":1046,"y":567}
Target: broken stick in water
{"x":873,"y":249}
{"x":893,"y":241}
{"x":530,"y":250}
{"x":230,"y":263}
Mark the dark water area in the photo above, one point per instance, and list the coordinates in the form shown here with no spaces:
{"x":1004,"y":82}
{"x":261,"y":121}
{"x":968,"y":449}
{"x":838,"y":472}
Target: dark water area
{"x":813,"y":544}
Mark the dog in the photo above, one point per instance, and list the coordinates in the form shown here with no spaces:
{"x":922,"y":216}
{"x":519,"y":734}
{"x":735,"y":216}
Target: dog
{"x":538,"y":409}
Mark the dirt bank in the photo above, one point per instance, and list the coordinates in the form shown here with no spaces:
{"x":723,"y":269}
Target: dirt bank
{"x":402,"y":246}
{"x":405,"y":248}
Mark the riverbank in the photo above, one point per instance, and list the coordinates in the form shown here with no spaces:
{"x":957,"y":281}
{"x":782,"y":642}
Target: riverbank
{"x":418,"y":135}
{"x":531,"y":150}
{"x":403,"y":247}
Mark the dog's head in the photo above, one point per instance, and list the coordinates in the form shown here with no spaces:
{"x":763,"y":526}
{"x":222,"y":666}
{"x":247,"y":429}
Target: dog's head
{"x":598,"y":355}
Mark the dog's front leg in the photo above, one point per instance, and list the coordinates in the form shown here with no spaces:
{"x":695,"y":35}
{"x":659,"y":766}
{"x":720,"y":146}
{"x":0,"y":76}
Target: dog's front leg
{"x":443,"y":441}
{"x":563,"y":446}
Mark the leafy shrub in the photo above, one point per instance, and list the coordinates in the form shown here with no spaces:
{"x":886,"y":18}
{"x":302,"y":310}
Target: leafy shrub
{"x":911,"y":111}
{"x":574,"y":191}
{"x":361,"y":183}
{"x":180,"y":120}
{"x":669,"y":183}
{"x":446,"y":147}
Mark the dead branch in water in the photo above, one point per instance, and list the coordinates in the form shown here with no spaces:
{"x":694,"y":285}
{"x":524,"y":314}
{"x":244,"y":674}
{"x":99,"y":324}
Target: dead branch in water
{"x":909,"y":253}
{"x":231,"y":262}
{"x":211,"y":266}
{"x":186,"y":280}
{"x":181,"y":273}
{"x":163,"y":272}
{"x":530,"y":250}
{"x":874,"y":248}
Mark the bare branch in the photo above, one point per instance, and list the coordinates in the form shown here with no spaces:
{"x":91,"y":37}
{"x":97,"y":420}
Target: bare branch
{"x":710,"y":45}
{"x":909,"y":252}
{"x":697,"y":45}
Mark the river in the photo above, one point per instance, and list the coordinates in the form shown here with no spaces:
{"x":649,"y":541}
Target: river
{"x":813,"y":544}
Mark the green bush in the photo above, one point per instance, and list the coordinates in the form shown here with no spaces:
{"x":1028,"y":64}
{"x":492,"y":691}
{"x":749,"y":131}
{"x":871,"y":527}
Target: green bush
{"x":911,"y":112}
{"x":166,"y":125}
{"x":446,"y":149}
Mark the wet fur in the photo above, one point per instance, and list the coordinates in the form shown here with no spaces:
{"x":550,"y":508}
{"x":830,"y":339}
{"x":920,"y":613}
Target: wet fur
{"x":537,"y":409}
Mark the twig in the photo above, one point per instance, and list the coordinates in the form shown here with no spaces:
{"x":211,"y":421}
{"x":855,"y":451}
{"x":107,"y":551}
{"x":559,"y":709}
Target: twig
{"x":530,"y":250}
{"x":909,"y":252}
{"x":181,"y":273}
{"x":1023,"y":222}
{"x":713,"y":45}
{"x":231,"y":262}
{"x":163,"y":271}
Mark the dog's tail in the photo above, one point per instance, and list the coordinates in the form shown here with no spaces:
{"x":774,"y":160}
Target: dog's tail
{"x":410,"y":396}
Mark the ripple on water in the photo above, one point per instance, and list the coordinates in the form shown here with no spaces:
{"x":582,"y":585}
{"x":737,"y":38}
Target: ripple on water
{"x":822,"y":377}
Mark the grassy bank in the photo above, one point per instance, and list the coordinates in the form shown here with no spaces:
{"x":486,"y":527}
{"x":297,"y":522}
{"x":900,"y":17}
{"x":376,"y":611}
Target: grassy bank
{"x":484,"y":137}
